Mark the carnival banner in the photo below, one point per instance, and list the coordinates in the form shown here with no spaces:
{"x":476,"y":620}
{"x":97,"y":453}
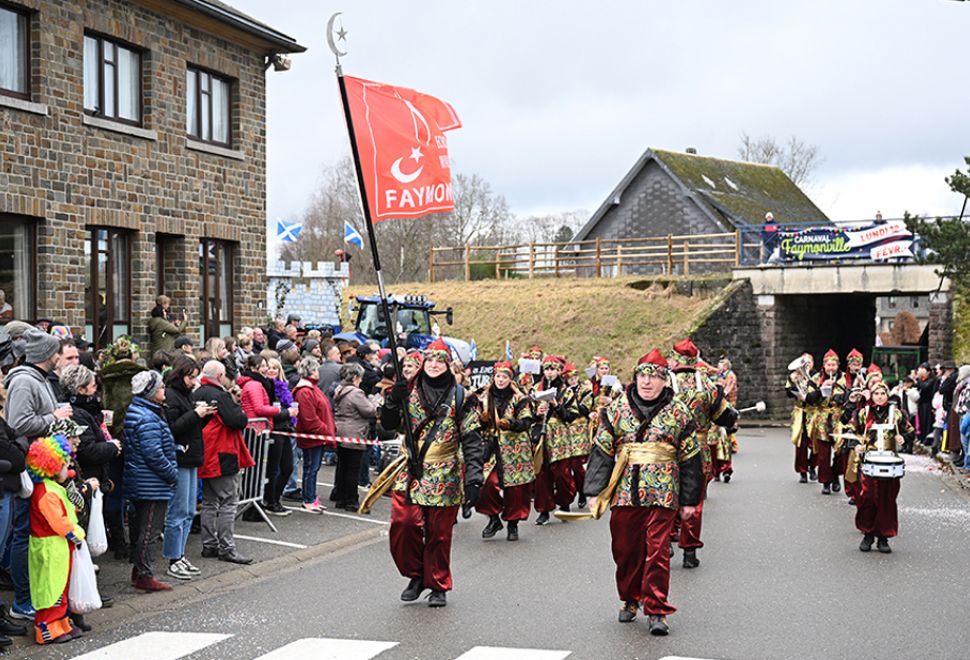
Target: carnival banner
{"x":480,"y":373}
{"x":403,"y":149}
{"x":876,"y":241}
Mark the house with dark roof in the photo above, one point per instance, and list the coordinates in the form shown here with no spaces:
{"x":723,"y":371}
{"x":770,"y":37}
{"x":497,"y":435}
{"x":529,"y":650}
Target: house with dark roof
{"x":672,"y":193}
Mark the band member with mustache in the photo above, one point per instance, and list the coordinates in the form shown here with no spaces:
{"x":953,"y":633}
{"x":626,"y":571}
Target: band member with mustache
{"x":645,"y":465}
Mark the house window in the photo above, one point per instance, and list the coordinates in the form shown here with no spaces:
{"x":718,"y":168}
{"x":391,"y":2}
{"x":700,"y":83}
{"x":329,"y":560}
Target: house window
{"x":14,"y":53}
{"x":892,"y":302}
{"x":215,"y":267}
{"x":915,"y":300}
{"x":207,"y":115}
{"x":112,"y":80}
{"x":108,"y":285}
{"x":18,"y":265}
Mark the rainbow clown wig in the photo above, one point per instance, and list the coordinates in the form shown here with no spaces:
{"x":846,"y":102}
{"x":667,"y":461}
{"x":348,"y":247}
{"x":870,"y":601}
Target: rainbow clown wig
{"x":47,"y":456}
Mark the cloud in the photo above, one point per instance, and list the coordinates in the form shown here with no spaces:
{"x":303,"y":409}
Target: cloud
{"x":559,"y":99}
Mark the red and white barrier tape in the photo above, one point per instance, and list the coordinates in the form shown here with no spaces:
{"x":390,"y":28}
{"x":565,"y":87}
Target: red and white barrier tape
{"x":326,"y":438}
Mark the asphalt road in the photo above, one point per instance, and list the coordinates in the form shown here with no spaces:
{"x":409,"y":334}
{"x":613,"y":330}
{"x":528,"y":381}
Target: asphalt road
{"x":781,"y":576}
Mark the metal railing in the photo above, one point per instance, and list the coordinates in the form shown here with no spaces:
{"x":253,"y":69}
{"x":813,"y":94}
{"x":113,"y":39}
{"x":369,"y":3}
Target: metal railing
{"x":253,"y":480}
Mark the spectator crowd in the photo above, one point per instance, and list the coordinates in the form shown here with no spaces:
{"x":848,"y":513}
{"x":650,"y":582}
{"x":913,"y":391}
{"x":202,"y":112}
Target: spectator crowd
{"x":160,"y":438}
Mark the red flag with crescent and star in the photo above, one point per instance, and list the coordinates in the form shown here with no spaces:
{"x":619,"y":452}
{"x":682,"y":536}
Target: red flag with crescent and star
{"x":403,"y":149}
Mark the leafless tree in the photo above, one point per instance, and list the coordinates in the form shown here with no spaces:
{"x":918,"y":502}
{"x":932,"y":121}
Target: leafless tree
{"x":795,"y":158}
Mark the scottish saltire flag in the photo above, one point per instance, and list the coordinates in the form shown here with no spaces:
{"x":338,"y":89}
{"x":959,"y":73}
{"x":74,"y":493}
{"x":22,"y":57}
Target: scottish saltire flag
{"x":473,"y":351}
{"x":508,"y":350}
{"x":288,"y":232}
{"x":352,"y":236}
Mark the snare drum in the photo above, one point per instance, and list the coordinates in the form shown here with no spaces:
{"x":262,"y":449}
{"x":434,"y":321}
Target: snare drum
{"x":883,"y":465}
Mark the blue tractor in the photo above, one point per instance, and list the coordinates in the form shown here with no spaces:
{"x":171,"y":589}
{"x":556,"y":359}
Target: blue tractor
{"x":414,"y":323}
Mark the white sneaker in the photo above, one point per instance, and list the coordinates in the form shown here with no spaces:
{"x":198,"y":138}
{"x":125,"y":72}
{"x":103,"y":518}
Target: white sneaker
{"x":179,"y":571}
{"x":189,"y":567}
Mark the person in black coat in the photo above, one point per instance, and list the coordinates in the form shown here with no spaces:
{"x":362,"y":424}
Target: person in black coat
{"x":96,"y":448}
{"x":366,"y":357}
{"x":186,"y":418}
{"x":13,"y":452}
{"x":927,"y":385}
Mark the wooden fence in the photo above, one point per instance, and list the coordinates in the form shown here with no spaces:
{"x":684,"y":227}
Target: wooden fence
{"x":669,"y":255}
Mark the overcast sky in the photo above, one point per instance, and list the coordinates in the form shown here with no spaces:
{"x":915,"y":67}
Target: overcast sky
{"x":559,"y":99}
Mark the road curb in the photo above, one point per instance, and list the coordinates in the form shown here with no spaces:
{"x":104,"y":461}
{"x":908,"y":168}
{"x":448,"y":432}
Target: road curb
{"x":144,"y":605}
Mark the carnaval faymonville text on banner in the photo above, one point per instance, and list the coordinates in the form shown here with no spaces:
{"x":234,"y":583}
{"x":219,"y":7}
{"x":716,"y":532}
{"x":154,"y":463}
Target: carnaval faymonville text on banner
{"x":403,"y":149}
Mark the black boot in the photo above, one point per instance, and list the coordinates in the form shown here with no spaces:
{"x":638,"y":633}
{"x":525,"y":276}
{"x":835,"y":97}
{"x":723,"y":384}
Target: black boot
{"x":581,"y":503}
{"x":543,"y":518}
{"x":413,"y":590}
{"x":493,"y":527}
{"x":690,"y":558}
{"x":727,"y":477}
{"x":882,"y":545}
{"x":866,"y":544}
{"x":826,"y":490}
{"x":803,"y":479}
{"x":564,"y":508}
{"x":78,"y":621}
{"x":512,"y":534}
{"x":717,"y":476}
{"x":658,"y":625}
{"x":8,"y":627}
{"x":628,"y":612}
{"x":437,"y":599}
{"x":812,"y":475}
{"x":836,"y":486}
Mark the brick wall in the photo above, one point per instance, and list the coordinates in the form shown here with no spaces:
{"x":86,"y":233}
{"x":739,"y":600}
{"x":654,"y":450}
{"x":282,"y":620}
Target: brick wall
{"x":70,"y":176}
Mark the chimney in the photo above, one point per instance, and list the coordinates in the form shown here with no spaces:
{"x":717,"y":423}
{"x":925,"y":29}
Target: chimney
{"x":691,"y":150}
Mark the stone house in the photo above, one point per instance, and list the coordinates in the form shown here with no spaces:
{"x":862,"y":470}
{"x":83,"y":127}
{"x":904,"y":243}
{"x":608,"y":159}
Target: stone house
{"x":133,"y":150}
{"x":667,"y":192}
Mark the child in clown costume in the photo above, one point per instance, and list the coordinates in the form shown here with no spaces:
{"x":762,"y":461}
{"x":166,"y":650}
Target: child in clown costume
{"x":53,"y":529}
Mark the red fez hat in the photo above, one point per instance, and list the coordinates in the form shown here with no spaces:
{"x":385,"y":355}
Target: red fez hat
{"x":502,"y":366}
{"x":830,"y":355}
{"x":854,"y":356}
{"x":686,"y":348}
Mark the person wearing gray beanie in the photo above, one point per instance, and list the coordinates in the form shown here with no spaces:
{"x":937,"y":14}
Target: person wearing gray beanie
{"x":146,"y":383}
{"x":41,"y":346}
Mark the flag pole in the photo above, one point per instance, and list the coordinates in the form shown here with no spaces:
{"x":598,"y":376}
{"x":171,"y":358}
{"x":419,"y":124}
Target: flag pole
{"x":385,"y":308}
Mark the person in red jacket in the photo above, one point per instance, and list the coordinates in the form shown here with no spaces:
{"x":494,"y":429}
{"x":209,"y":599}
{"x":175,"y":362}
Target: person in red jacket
{"x":225,"y":454}
{"x":258,"y":393}
{"x":314,"y":417}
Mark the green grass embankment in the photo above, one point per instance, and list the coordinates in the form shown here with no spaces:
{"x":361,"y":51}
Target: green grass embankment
{"x":621,"y":318}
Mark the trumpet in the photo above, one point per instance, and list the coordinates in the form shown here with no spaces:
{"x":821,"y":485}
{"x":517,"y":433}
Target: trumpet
{"x":800,"y":366}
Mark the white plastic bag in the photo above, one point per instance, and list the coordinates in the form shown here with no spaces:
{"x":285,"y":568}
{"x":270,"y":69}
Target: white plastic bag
{"x":82,"y":592}
{"x":97,"y":538}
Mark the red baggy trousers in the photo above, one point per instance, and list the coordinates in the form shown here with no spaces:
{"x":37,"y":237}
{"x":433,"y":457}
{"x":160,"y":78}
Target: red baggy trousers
{"x":876,"y":506}
{"x":421,"y":541}
{"x":511,"y":502}
{"x":641,"y":554}
{"x":557,"y":483}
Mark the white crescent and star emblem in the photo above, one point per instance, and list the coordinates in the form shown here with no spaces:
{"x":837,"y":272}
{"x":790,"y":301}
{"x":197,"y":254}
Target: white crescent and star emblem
{"x":401,"y":176}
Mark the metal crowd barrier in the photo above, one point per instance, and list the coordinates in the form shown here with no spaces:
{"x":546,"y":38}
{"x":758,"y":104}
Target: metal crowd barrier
{"x":252,"y":481}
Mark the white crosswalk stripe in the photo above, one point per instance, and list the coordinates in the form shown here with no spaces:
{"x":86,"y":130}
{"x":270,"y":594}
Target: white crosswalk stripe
{"x":499,"y":653}
{"x":155,"y":646}
{"x":175,"y":645}
{"x":329,"y":649}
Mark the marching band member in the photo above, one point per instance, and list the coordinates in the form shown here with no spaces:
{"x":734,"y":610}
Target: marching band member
{"x":825,"y":421}
{"x":427,"y":478}
{"x":849,"y":385}
{"x":526,"y":381}
{"x":708,"y":406}
{"x":505,"y":416}
{"x":554,"y":483}
{"x":579,"y":437}
{"x":876,"y":514}
{"x":645,"y":464}
{"x":798,"y":386}
{"x":728,"y":443}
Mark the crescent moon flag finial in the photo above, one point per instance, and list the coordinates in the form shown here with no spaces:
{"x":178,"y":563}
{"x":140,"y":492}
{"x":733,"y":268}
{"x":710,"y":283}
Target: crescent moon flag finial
{"x":341,"y":36}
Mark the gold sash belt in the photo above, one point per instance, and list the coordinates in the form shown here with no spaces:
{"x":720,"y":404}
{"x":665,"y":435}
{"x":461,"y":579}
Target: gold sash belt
{"x":633,"y":453}
{"x":437,"y":453}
